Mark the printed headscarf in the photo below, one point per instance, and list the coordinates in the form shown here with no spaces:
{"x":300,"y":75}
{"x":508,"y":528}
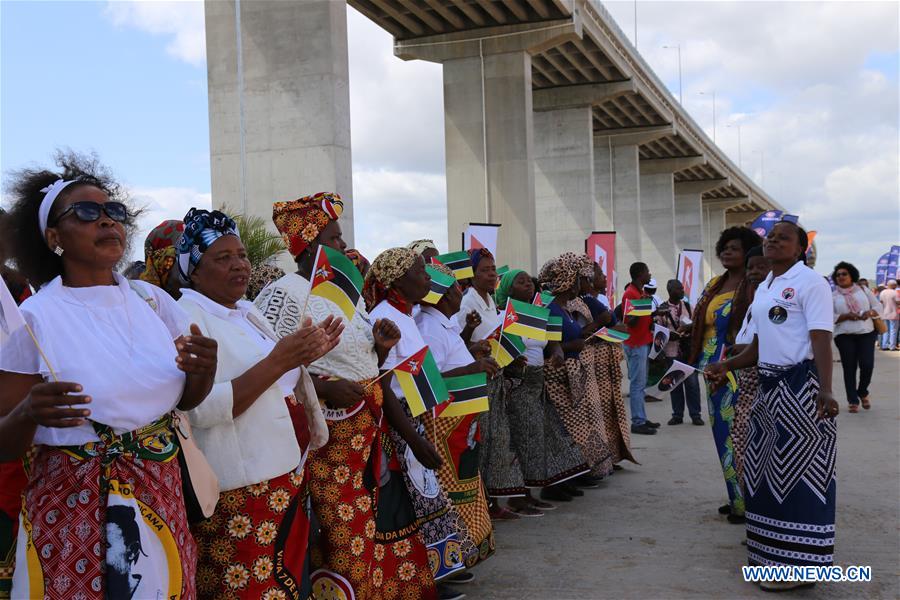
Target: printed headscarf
{"x":387,"y":268}
{"x":301,"y":221}
{"x":563,"y":271}
{"x":586,"y":266}
{"x":476,"y":254}
{"x":160,"y":251}
{"x":506,"y":283}
{"x":201,"y":229}
{"x":420,"y":246}
{"x":361,"y":262}
{"x":261,"y":276}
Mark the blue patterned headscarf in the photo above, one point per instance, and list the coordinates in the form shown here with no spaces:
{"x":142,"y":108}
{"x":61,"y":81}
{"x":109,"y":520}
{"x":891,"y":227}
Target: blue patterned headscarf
{"x":201,"y":229}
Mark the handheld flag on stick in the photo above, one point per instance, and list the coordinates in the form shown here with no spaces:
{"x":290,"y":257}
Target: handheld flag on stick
{"x":440,"y":283}
{"x":642,"y":307}
{"x":459,"y":263}
{"x":468,"y":395}
{"x":335,"y":278}
{"x":671,"y":379}
{"x":505,"y":347}
{"x":612,"y":335}
{"x":12,"y":322}
{"x":526,"y":320}
{"x":421,"y":382}
{"x":543,"y":299}
{"x":554,"y":329}
{"x":501,"y":271}
{"x":732,"y":381}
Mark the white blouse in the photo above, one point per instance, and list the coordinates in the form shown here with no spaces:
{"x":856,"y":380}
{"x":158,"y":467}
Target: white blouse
{"x":410,"y":340}
{"x":111,"y":341}
{"x":866,"y":300}
{"x":354,"y":358}
{"x":472,"y":300}
{"x":439,"y":332}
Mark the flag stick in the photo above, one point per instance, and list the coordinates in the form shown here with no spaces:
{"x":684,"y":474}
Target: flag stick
{"x":41,"y":352}
{"x":312,"y":277}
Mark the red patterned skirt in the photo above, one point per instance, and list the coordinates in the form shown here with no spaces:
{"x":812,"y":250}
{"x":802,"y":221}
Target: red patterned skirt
{"x":254,"y":545}
{"x":106,"y":519}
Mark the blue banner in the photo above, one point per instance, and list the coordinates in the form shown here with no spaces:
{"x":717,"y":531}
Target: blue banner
{"x":763,"y":224}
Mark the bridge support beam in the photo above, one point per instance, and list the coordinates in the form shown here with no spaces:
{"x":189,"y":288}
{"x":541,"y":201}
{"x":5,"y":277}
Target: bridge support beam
{"x":658,"y":225}
{"x":690,"y":225}
{"x":563,"y":180}
{"x":617,"y":184}
{"x":287,"y":107}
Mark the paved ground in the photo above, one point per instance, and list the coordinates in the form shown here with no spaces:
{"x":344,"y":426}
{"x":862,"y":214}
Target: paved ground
{"x":652,"y":531}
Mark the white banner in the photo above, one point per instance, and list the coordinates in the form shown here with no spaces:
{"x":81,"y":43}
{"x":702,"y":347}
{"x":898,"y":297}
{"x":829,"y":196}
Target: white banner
{"x":690,"y":274}
{"x":481,"y":235}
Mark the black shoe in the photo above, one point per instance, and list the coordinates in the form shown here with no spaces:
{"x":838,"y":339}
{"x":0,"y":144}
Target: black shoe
{"x":556,"y":494}
{"x":697,"y":421}
{"x":588,"y":482}
{"x":736,"y":519}
{"x":651,"y":424}
{"x":571,"y":490}
{"x":618,"y":468}
{"x":725,"y":509}
{"x":448,"y":593}
{"x":461,"y":577}
{"x":643,"y":429}
{"x":675,"y":421}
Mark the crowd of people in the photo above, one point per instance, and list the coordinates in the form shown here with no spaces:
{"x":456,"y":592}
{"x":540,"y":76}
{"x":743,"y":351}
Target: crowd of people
{"x":328,"y":485}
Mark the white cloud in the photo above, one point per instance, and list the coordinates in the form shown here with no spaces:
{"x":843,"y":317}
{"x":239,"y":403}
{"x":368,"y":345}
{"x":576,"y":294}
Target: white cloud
{"x":160,"y":204}
{"x":181,"y":21}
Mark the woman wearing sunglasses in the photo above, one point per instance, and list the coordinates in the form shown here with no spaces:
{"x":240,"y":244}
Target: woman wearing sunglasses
{"x":96,"y":398}
{"x":854,"y":332}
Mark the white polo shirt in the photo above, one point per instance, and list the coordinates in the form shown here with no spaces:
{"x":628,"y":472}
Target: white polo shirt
{"x":472,"y":300}
{"x":785,"y":309}
{"x":440,"y":334}
{"x":410,"y":339}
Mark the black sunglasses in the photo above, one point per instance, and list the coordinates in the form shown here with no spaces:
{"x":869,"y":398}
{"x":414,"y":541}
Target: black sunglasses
{"x":89,"y":211}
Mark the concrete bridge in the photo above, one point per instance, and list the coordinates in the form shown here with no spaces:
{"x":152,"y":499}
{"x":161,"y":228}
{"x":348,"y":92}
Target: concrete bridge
{"x":554,"y":124}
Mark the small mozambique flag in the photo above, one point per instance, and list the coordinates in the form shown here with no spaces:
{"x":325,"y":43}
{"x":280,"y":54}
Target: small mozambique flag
{"x":642,"y":307}
{"x":440,"y":283}
{"x":732,"y":381}
{"x":468,"y":395}
{"x":335,"y":278}
{"x":543,"y":299}
{"x":501,"y":271}
{"x":612,"y":335}
{"x":421,"y":382}
{"x":554,"y":329}
{"x":526,"y":320}
{"x":459,"y":263}
{"x":505,"y":347}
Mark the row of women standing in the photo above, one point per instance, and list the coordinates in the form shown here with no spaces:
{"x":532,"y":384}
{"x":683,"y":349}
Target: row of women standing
{"x":329,"y":486}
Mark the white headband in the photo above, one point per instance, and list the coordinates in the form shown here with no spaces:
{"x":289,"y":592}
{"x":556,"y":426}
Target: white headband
{"x":50,"y":194}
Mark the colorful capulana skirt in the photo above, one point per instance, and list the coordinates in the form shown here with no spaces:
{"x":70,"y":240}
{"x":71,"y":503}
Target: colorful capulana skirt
{"x":748,"y":384}
{"x":457,"y":440}
{"x":721,"y":418}
{"x":789,"y":471}
{"x":499,"y":465}
{"x":578,"y":407}
{"x":547,"y":453}
{"x":12,"y":482}
{"x":106,"y":519}
{"x":441,"y":527}
{"x":254,"y":545}
{"x":606,"y":360}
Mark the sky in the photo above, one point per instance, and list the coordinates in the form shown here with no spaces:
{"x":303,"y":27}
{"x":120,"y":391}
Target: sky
{"x":811,"y":86}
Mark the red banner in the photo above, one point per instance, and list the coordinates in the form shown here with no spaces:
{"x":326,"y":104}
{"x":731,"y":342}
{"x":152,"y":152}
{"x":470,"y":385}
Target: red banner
{"x":601,"y":248}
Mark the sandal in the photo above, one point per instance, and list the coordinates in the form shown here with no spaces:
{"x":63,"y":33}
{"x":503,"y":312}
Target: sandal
{"x":541,"y":505}
{"x":527,"y":511}
{"x":854,"y":408}
{"x":865,"y":402}
{"x":503,"y":514}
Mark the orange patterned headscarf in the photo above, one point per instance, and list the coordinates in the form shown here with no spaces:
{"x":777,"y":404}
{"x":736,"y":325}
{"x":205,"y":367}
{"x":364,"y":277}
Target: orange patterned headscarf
{"x":300,"y":221}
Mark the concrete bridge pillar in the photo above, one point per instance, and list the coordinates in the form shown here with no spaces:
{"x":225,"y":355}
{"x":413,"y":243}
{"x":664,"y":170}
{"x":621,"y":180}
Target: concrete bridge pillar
{"x":714,"y":212}
{"x":690,"y":222}
{"x":279,"y":110}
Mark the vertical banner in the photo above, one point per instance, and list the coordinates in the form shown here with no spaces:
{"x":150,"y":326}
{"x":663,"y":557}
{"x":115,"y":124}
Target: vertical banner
{"x":762,"y":225}
{"x":881,"y":269}
{"x":690,"y":269}
{"x":893,"y":262}
{"x":481,"y":235}
{"x":601,"y":248}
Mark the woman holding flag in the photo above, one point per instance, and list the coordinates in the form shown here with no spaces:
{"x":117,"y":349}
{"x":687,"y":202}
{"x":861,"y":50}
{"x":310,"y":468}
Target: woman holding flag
{"x":578,"y":409}
{"x":717,"y":320}
{"x":347,"y":557}
{"x":453,"y":428}
{"x":93,"y":390}
{"x":396,"y":282}
{"x":547,"y":453}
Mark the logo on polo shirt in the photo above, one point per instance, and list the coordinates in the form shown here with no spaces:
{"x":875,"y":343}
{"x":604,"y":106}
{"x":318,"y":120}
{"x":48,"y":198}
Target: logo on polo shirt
{"x":787,"y":293}
{"x":778,"y":314}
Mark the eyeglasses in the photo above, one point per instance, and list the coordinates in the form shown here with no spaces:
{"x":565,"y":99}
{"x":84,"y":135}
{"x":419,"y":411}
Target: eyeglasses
{"x":89,"y":211}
